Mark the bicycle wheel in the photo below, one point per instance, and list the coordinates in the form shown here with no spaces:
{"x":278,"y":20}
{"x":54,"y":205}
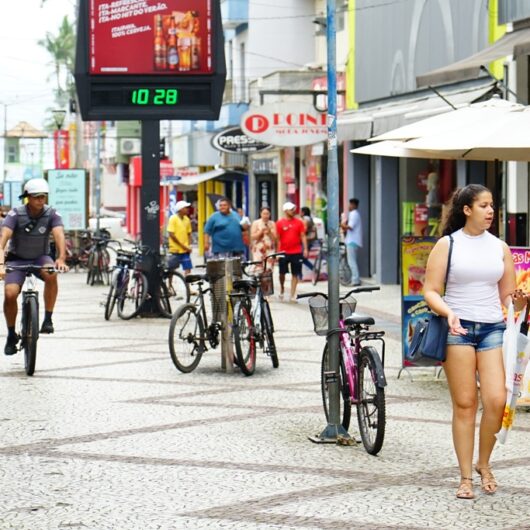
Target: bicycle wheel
{"x":186,"y":338}
{"x":132,"y":295}
{"x":112,"y":295}
{"x":104,"y":265}
{"x":30,"y":333}
{"x":344,"y":270}
{"x":371,"y":406}
{"x":174,"y":293}
{"x":345,"y":401}
{"x":316,"y":268}
{"x":164,"y":300}
{"x":90,"y":268}
{"x":267,"y":327}
{"x":243,"y":333}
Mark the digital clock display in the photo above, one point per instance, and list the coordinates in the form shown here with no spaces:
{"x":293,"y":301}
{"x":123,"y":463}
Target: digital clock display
{"x":155,"y":97}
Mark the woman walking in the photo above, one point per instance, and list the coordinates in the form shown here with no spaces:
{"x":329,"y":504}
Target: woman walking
{"x":263,"y":235}
{"x":481,"y":278}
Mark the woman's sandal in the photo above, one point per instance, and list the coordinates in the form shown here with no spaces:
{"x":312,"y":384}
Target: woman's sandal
{"x":488,"y":482}
{"x":465,"y":490}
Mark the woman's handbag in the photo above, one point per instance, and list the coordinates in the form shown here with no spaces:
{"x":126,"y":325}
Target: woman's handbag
{"x":430,"y":334}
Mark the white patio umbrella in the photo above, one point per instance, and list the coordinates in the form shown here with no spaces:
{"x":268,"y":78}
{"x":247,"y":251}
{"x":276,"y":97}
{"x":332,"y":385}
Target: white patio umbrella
{"x":491,"y":130}
{"x":476,"y":115}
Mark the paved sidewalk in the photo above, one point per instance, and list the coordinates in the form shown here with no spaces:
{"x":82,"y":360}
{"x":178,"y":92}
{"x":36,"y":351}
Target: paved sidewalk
{"x":108,"y":435}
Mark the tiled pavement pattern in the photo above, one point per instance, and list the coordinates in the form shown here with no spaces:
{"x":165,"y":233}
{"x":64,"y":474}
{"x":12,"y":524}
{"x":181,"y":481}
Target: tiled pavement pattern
{"x":108,"y":435}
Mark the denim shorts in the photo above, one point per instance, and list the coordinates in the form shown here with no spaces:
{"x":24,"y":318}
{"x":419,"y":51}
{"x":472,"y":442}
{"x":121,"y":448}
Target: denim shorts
{"x":481,"y":335}
{"x":176,"y":260}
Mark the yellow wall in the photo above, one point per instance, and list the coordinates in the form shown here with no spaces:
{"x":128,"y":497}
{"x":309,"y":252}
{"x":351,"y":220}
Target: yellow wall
{"x":496,"y":31}
{"x":351,"y":102}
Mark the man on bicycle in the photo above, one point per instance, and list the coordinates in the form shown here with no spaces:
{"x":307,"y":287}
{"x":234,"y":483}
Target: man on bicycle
{"x":27,"y":228}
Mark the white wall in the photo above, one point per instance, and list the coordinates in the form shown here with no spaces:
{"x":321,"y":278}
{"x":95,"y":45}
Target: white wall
{"x":280,"y":36}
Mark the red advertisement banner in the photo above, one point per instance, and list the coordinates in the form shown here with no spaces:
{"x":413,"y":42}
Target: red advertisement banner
{"x":61,"y":141}
{"x":150,"y":37}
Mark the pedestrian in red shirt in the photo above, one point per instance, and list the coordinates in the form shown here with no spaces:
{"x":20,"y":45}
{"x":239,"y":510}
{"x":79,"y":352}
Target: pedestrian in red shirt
{"x":293,"y":243}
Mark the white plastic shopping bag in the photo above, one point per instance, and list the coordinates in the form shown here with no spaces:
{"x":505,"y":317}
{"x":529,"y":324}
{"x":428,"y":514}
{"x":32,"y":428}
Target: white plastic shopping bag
{"x":516,"y":358}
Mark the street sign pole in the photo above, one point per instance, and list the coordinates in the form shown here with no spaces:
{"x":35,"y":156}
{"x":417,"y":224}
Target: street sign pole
{"x":334,"y":429}
{"x":150,"y":212}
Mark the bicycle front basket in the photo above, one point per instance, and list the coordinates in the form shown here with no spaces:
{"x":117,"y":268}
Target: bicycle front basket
{"x":347,"y":306}
{"x":319,"y":312}
{"x":266,"y":282}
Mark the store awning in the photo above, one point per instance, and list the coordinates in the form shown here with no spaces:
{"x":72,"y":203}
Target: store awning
{"x":514,"y":43}
{"x":378,"y":117}
{"x":226,"y":174}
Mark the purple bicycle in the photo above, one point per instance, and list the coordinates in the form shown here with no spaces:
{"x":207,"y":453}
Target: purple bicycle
{"x":362,"y":378}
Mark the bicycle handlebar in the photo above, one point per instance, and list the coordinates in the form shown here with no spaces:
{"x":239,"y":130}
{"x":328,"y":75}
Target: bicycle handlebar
{"x":363,"y":289}
{"x":32,"y":268}
{"x":246,"y":264}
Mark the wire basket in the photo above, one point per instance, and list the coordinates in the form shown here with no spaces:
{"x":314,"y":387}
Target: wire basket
{"x":319,"y":312}
{"x":266,"y":283}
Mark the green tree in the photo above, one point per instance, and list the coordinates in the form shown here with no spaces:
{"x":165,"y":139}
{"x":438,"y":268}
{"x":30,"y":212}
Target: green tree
{"x":61,"y":47}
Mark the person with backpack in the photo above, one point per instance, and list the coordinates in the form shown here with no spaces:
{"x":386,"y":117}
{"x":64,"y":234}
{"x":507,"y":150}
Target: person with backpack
{"x":27,"y":229}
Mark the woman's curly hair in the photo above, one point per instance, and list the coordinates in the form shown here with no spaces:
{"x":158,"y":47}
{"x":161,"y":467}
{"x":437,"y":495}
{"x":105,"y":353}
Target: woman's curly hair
{"x":455,"y":217}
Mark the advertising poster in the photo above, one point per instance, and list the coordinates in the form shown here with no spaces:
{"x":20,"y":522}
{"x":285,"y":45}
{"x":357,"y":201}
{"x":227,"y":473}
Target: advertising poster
{"x":150,"y":37}
{"x":414,"y":254}
{"x":521,"y":259}
{"x":68,"y":195}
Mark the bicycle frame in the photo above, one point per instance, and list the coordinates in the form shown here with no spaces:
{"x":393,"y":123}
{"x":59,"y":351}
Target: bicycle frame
{"x":349,"y":358}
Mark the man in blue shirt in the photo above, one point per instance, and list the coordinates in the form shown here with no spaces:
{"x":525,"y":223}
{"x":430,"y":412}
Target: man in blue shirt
{"x":223,"y":232}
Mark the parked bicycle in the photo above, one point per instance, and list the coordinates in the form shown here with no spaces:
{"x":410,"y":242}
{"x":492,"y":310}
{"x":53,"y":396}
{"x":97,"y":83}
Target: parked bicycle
{"x":29,"y":322}
{"x":129,"y":286}
{"x":252,"y":321}
{"x":98,"y":261}
{"x":192,"y":327}
{"x":361,"y":377}
{"x":322,"y":257}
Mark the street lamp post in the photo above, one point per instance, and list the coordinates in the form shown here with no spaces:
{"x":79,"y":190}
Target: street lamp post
{"x":334,"y":429}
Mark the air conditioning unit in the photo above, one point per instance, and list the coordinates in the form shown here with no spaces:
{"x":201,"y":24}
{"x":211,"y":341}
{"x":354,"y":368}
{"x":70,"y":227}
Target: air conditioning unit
{"x":130,"y":146}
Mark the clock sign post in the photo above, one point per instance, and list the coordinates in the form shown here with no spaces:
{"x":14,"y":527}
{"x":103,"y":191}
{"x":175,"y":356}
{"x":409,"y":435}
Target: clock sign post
{"x":149,"y":60}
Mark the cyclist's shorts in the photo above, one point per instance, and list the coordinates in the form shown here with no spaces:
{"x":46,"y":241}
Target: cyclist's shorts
{"x":18,"y":277}
{"x":176,"y":260}
{"x":295,"y":261}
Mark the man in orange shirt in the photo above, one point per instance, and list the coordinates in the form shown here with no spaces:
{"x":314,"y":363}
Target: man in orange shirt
{"x":293,"y":243}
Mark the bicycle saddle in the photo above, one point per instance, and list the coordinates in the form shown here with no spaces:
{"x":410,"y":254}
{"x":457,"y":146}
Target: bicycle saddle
{"x":357,"y":320}
{"x":244,"y":284}
{"x":192,"y":278}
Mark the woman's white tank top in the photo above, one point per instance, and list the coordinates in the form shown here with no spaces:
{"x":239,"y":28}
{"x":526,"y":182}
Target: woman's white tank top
{"x":477,"y":265}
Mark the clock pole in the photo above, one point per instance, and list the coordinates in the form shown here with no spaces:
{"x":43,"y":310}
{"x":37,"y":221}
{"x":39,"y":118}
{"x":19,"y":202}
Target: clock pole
{"x":150,"y":212}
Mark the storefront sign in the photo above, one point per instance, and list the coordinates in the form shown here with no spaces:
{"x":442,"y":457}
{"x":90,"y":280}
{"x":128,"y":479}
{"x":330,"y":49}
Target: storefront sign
{"x":234,"y":140}
{"x":151,"y":37}
{"x":414,"y":254}
{"x":68,"y":195}
{"x":285,"y":124}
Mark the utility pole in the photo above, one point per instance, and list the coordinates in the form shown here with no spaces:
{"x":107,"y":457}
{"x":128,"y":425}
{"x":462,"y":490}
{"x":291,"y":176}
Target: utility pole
{"x":334,"y":429}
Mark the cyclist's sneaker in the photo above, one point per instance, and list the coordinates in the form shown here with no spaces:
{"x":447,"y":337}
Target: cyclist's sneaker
{"x":11,"y":345}
{"x":47,"y":327}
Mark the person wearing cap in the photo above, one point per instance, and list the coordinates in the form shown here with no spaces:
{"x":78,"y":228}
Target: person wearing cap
{"x":293,"y":244}
{"x":223,"y":232}
{"x":27,"y":229}
{"x":179,"y":236}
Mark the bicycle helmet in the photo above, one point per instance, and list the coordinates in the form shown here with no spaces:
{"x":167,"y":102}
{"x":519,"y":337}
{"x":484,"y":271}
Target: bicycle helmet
{"x":36,"y":186}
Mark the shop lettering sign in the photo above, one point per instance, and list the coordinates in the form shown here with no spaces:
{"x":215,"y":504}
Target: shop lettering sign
{"x":234,"y":140}
{"x":285,"y":124}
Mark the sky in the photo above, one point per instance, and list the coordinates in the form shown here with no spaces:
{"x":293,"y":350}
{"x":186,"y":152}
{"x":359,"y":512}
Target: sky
{"x":26,"y":72}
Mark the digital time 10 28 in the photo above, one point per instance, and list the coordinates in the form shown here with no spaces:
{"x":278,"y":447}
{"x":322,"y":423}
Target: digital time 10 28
{"x":155,"y":96}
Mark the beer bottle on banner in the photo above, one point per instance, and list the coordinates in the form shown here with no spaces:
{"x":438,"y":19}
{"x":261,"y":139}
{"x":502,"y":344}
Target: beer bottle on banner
{"x":184,"y":50}
{"x":195,"y":53}
{"x":160,"y":45}
{"x":172,"y":52}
